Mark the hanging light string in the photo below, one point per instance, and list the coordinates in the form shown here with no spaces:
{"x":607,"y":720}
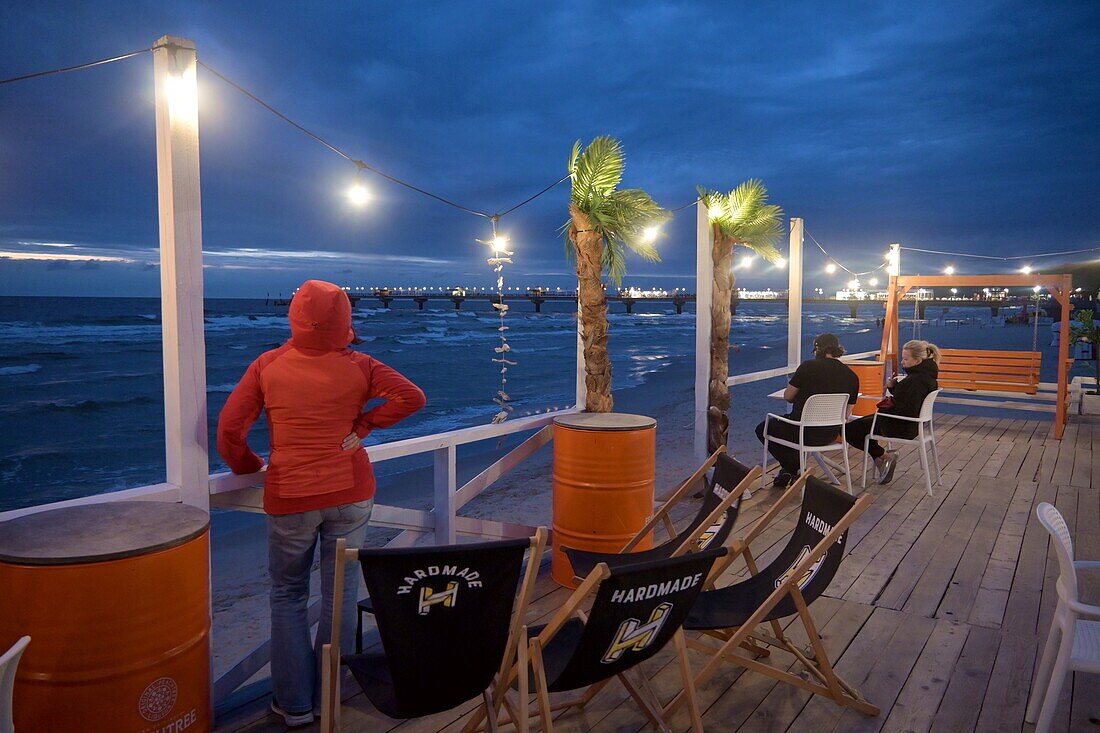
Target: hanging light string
{"x":839,"y":264}
{"x":361,"y":166}
{"x":501,"y":256}
{"x":1002,"y":259}
{"x":78,"y":67}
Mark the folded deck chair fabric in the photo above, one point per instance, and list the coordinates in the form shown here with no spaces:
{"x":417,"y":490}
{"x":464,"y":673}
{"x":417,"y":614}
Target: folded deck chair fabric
{"x":637,"y":610}
{"x":785,"y":587}
{"x":710,"y":526}
{"x":449,"y":621}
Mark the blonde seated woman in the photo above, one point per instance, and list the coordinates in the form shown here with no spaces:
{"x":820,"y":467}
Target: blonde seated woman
{"x":920,"y":360}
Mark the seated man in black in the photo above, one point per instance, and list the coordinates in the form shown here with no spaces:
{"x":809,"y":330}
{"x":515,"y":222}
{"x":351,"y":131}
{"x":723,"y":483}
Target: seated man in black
{"x":824,"y":374}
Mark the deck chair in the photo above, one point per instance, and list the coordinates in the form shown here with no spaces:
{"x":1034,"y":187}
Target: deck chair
{"x":449,"y":621}
{"x":710,"y":527}
{"x":637,"y":610}
{"x":786,"y":587}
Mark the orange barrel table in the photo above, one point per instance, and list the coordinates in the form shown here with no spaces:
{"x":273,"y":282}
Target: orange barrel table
{"x":116,"y":600}
{"x":603,"y":484}
{"x":871,"y":378}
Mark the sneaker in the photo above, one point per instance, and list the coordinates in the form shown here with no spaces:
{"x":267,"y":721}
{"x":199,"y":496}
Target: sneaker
{"x":782,"y":480}
{"x":292,"y":720}
{"x":889,"y":463}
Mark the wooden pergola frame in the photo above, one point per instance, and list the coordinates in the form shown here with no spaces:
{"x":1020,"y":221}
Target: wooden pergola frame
{"x":1061,"y":286}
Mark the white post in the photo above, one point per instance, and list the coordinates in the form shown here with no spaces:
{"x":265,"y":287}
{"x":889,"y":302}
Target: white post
{"x":446,"y":483}
{"x":794,"y":295}
{"x":181,"y":286}
{"x":704,"y":286}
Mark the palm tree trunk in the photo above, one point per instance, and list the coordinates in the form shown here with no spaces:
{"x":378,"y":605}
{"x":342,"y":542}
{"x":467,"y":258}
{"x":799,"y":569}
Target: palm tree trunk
{"x":718,"y":403}
{"x":593,"y":312}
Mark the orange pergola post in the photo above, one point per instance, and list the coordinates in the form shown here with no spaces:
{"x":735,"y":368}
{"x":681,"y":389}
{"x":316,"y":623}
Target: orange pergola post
{"x":1061,"y":286}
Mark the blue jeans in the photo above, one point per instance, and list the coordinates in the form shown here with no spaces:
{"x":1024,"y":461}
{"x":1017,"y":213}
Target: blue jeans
{"x":291,"y":539}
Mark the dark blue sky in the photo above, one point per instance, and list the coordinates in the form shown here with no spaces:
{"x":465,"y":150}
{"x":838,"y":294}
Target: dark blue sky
{"x":958,"y":126}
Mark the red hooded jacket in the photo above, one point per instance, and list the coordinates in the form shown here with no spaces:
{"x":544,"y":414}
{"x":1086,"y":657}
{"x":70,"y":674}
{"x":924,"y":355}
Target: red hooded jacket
{"x":314,"y":389}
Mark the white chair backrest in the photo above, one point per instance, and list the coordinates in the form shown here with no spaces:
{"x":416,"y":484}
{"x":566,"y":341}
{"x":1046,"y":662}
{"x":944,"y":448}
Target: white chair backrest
{"x":1055,"y":523}
{"x":9,"y":660}
{"x":825,"y":409}
{"x":928,"y":404}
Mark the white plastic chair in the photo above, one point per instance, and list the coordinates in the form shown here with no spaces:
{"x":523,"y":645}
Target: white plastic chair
{"x":9,"y":660}
{"x":926,"y":436}
{"x":1078,"y":625}
{"x":820,"y":411}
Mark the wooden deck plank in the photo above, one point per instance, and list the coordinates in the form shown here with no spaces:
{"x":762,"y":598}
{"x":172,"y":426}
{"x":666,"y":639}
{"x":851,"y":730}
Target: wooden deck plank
{"x":1009,"y":683}
{"x":915,"y":709}
{"x":962,"y":700}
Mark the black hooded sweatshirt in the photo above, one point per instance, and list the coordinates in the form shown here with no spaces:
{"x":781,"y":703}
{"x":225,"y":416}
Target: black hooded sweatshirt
{"x":909,"y":394}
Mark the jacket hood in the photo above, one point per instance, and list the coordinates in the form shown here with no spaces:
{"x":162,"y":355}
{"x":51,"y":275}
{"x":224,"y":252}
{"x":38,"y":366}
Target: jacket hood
{"x":927,"y":366}
{"x":320,"y":317}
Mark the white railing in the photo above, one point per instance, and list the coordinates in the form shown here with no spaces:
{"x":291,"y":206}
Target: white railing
{"x":785,"y":370}
{"x":245,"y":492}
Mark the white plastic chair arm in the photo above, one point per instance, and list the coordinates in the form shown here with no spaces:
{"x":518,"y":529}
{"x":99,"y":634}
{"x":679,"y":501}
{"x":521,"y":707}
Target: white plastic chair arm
{"x":899,"y":417}
{"x":1085,"y":610}
{"x":784,"y":419}
{"x":1087,"y":564}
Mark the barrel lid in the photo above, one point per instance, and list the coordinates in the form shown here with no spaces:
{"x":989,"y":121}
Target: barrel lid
{"x":99,"y":532}
{"x":605,"y":421}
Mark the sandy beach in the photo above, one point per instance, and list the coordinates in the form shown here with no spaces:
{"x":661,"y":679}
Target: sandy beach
{"x":524,"y":495}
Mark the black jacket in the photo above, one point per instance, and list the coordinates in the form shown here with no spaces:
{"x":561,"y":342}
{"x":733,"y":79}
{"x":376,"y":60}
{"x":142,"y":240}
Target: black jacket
{"x":909,"y":393}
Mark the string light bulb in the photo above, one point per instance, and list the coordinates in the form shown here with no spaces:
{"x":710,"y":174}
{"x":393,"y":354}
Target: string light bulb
{"x":746,"y":262}
{"x":781,"y":262}
{"x":873,"y":282}
{"x":649,"y":234}
{"x":1026,"y":269}
{"x":715,"y":211}
{"x":358,"y":194}
{"x":830,"y":268}
{"x":949,"y":270}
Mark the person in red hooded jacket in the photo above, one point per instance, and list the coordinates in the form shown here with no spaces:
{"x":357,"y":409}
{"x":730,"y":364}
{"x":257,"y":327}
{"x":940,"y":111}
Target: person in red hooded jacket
{"x":319,"y":483}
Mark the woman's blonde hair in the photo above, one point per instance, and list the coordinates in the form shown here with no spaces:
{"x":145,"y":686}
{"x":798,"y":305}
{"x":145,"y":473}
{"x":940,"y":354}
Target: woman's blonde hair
{"x":923,"y":350}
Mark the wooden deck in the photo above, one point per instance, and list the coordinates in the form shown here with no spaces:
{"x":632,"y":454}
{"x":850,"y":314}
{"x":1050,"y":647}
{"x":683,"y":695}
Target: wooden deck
{"x":937,"y":613}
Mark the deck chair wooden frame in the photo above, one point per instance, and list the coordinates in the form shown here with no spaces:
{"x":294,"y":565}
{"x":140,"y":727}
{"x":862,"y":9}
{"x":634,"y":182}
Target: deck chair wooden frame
{"x":639,"y":688}
{"x":825,"y":681}
{"x":689,"y":541}
{"x":512,"y":665}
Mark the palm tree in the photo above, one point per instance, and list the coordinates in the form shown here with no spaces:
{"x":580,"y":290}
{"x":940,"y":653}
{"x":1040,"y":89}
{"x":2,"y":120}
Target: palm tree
{"x":743,"y":217}
{"x":604,"y":221}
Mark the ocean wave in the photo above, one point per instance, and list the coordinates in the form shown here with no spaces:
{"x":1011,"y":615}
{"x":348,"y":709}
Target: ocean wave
{"x":78,"y":405}
{"x":227,"y":387}
{"x":23,"y":369}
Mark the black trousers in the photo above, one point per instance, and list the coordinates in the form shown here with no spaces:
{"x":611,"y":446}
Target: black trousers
{"x":857,"y":430}
{"x":788,"y":457}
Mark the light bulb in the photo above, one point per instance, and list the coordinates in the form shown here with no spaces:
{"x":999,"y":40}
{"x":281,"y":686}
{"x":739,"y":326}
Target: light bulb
{"x":830,"y":268}
{"x":853,"y":284}
{"x":715,"y":211}
{"x":499,"y":242}
{"x":949,"y":270}
{"x":649,"y":234}
{"x":358,"y":194}
{"x":873,"y":282}
{"x":746,"y":261}
{"x":781,"y":262}
{"x":1026,"y":269}
{"x":954,"y":291}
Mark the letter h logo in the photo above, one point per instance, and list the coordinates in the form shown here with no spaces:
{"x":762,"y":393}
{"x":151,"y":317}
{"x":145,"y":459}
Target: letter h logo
{"x":445,"y":597}
{"x":636,"y":636}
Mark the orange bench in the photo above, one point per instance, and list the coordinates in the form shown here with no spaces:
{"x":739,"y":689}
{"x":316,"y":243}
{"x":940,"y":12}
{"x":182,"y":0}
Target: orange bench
{"x":990,"y":371}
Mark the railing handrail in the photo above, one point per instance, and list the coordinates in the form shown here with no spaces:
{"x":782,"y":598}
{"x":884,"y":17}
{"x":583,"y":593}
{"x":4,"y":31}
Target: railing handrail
{"x":226,"y":481}
{"x":785,"y":370}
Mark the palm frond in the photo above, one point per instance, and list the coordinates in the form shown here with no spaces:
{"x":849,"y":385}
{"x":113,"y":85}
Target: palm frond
{"x":596,"y":171}
{"x":746,"y":218}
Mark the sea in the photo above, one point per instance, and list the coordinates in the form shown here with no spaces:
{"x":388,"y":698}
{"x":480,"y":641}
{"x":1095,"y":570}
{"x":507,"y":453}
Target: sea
{"x":81,"y":393}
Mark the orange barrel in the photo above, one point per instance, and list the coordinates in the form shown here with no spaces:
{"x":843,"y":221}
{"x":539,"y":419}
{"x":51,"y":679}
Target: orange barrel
{"x":871,"y":379}
{"x":603,"y":484}
{"x":116,"y":600}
